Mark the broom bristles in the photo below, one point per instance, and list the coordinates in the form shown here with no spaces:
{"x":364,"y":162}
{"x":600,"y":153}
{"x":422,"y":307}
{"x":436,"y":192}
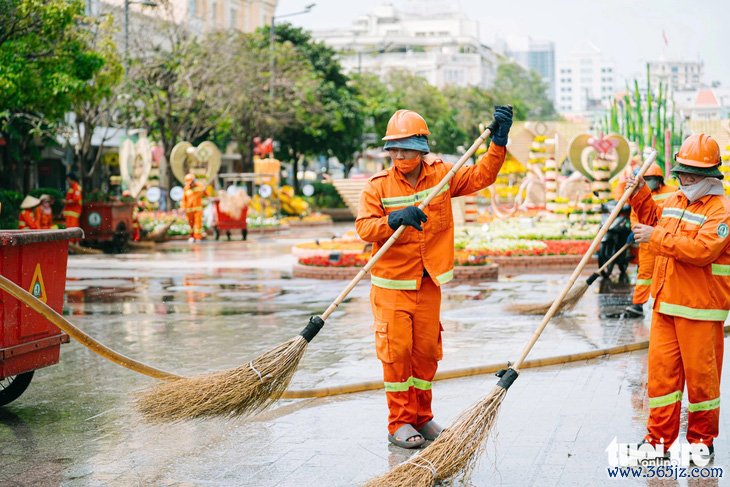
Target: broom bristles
{"x":571,"y":299}
{"x":242,"y":391}
{"x":454,"y":451}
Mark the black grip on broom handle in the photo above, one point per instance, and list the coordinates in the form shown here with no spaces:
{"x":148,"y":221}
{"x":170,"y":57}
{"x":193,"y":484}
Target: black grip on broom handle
{"x":481,"y":139}
{"x":586,"y":257}
{"x":615,"y":256}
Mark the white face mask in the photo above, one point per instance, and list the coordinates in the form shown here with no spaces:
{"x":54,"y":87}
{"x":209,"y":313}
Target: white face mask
{"x":703,"y":187}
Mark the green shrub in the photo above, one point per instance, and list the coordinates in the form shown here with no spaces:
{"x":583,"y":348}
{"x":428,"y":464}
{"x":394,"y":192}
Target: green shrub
{"x":325,"y":196}
{"x":10,"y":211}
{"x":53,"y":193}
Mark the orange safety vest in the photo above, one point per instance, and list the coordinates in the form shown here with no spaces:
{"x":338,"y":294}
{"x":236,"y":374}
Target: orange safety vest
{"x":27,"y":220}
{"x":73,"y":201}
{"x":44,"y":218}
{"x":432,"y":250}
{"x":192,"y":200}
{"x":691,"y":276}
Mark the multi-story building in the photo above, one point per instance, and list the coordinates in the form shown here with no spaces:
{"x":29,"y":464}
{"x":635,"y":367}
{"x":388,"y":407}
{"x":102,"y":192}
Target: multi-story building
{"x":442,"y":47}
{"x":678,"y":75}
{"x":538,"y":55}
{"x":584,"y":82}
{"x":197,"y":15}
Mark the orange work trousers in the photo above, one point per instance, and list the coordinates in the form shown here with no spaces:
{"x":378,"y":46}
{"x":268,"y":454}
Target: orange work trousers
{"x":72,"y":221}
{"x":682,"y":349}
{"x":195,"y":220}
{"x":408,"y":343}
{"x":643,"y":276}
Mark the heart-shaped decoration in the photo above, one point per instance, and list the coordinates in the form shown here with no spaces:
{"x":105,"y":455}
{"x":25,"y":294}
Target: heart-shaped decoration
{"x":204,"y":161}
{"x":614,"y":152}
{"x":135,"y":163}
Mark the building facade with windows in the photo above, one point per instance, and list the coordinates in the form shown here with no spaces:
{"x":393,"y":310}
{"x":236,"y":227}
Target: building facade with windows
{"x":538,"y":55}
{"x":584,"y":82}
{"x":678,"y":75}
{"x":442,"y":47}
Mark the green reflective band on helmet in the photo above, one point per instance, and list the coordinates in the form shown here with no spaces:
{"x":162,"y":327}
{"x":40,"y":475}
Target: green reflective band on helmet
{"x":397,"y":201}
{"x":643,"y":282}
{"x":693,"y":313}
{"x":421,"y":384}
{"x":402,"y":284}
{"x":661,"y":197}
{"x":684,"y":215}
{"x":661,"y":401}
{"x":445,"y":277}
{"x":704,"y":405}
{"x":720,"y":270}
{"x":398,"y":386}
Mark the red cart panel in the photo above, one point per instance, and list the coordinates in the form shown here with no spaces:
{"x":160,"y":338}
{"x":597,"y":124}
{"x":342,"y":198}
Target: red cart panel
{"x":100,"y":220}
{"x":35,"y":260}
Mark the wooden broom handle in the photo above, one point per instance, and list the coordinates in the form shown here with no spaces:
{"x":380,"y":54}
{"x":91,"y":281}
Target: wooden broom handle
{"x":583,"y":262}
{"x":332,"y":307}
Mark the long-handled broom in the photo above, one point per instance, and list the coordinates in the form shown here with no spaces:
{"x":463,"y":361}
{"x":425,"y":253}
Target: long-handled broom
{"x":572,"y":297}
{"x":457,"y":448}
{"x":255,"y":385}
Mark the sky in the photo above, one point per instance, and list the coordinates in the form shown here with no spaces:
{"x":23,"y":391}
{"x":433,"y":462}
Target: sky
{"x":629,"y":31}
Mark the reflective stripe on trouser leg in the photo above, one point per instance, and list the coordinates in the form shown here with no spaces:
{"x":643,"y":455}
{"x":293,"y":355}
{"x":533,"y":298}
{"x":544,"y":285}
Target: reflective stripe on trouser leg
{"x":426,"y":347}
{"x":394,"y":312}
{"x":701,"y":344}
{"x":666,"y":380}
{"x":645,"y":270}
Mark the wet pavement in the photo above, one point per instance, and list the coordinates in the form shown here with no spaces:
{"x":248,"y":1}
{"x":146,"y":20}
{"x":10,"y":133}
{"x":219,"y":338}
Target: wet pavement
{"x":193,"y":309}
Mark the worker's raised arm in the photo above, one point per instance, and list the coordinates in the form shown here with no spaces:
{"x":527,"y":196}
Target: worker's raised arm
{"x":647,"y":211}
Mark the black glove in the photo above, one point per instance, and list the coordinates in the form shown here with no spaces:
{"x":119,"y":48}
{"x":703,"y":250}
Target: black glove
{"x":410,"y":215}
{"x":501,"y":124}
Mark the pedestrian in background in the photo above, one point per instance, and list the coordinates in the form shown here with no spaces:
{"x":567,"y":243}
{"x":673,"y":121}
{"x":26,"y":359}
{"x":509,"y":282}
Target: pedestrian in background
{"x":27,"y":218}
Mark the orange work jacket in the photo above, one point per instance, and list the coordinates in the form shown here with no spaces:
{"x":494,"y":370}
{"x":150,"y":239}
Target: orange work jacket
{"x":691,"y":275}
{"x":432,"y":250}
{"x":27,"y":220}
{"x":44,"y":218}
{"x":660,"y":195}
{"x":73,"y":201}
{"x":192,"y":200}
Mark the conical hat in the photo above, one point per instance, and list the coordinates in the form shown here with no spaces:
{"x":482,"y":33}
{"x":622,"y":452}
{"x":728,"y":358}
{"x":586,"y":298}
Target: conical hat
{"x":29,"y":202}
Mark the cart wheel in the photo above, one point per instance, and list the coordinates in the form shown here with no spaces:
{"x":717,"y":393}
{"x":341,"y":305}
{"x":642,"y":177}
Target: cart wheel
{"x":244,"y":233}
{"x":217,"y":233}
{"x":12,"y":387}
{"x":228,"y":235}
{"x":120,"y":239}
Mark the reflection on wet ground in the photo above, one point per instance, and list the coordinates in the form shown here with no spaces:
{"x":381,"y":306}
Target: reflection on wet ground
{"x":192,"y":309}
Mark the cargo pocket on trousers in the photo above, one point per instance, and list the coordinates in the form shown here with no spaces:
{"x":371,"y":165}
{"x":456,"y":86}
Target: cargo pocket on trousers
{"x":440,"y":346}
{"x":382,"y":346}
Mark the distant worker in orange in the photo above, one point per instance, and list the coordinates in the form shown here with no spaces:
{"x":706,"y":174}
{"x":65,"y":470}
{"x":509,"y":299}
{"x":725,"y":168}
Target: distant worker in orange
{"x":27,"y":219}
{"x":691,"y":289}
{"x":44,"y":213}
{"x":406,"y":282}
{"x":654,"y":178}
{"x":73,"y":201}
{"x":192,"y":203}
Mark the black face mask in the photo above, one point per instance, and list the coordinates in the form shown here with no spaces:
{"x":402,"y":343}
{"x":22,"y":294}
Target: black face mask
{"x":653,"y":183}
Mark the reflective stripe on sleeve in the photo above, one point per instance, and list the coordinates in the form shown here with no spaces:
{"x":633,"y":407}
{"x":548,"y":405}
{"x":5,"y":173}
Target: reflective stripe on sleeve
{"x":662,"y":197}
{"x":643,"y":282}
{"x":445,"y":277}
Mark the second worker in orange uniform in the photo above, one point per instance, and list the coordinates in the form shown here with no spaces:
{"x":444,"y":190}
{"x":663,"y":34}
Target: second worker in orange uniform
{"x":406,"y":282}
{"x":691,"y":289}
{"x":192,"y":203}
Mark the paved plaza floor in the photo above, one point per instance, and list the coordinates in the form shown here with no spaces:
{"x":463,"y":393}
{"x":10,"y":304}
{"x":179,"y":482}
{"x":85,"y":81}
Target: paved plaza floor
{"x":193,"y":309}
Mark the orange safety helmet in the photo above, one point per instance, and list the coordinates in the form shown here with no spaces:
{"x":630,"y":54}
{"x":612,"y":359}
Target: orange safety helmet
{"x":699,"y":150}
{"x":189,"y":178}
{"x":655,"y":171}
{"x":405,"y":123}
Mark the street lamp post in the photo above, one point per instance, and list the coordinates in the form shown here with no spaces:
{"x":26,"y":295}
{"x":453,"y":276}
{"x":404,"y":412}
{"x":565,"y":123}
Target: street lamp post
{"x":272,"y":26}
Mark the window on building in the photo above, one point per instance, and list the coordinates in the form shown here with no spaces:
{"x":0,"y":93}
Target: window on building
{"x":233,"y":20}
{"x":214,"y":11}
